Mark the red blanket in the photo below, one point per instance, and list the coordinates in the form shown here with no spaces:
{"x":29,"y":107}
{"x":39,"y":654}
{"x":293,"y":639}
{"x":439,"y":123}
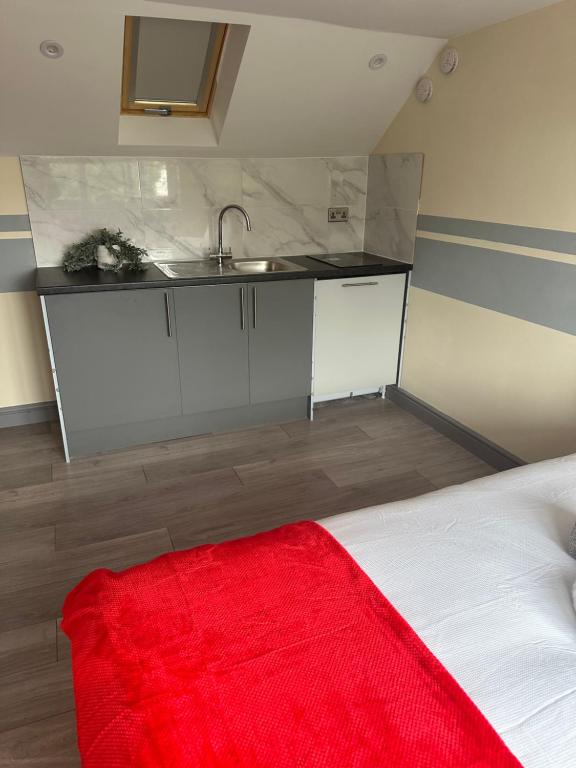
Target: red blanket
{"x":274,"y":651}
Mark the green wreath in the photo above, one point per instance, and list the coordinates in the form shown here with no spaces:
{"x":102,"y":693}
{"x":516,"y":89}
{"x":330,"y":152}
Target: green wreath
{"x":84,"y":254}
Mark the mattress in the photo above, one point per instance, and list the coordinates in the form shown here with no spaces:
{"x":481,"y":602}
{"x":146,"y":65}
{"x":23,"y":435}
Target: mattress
{"x":481,"y":573}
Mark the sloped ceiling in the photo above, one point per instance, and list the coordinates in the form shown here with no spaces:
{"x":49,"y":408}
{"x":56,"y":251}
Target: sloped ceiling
{"x":436,"y":18}
{"x":303,"y":88}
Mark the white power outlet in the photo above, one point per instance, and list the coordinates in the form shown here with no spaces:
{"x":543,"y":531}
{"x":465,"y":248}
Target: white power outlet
{"x":336,"y":215}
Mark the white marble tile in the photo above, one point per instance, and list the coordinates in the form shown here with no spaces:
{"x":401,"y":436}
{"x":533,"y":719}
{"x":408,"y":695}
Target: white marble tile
{"x":349,"y":236}
{"x":189,"y":184}
{"x":78,"y":184}
{"x":189,"y":235}
{"x":287,"y":231}
{"x":348,"y":181}
{"x":53,"y":231}
{"x":170,"y":205}
{"x":394,"y":181}
{"x":285,"y":182}
{"x":348,"y":184}
{"x":391,"y":232}
{"x":176,"y":235}
{"x":392,"y":205}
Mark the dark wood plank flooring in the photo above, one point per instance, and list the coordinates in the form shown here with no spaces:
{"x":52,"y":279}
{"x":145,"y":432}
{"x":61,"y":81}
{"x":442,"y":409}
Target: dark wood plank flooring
{"x":58,"y":522}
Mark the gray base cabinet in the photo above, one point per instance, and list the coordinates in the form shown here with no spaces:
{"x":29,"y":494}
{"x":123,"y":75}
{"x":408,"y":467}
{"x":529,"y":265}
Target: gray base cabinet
{"x":152,"y":364}
{"x":116,"y":357}
{"x":212,"y":347}
{"x":241,"y":344}
{"x":281,"y":323}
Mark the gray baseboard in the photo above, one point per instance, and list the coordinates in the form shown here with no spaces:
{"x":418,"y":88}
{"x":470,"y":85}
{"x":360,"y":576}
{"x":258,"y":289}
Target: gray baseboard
{"x":486,"y":450}
{"x":32,"y":413}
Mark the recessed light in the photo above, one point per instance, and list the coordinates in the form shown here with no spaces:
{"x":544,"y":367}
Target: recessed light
{"x":378,"y":61}
{"x":51,"y":49}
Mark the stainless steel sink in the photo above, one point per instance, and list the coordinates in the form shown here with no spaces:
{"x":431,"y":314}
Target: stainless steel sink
{"x":183,"y":269}
{"x":210,"y":267}
{"x":260,"y":266}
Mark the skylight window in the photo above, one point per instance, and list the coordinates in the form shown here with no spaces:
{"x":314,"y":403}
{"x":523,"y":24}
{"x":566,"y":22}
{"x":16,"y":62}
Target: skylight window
{"x":170,"y":66}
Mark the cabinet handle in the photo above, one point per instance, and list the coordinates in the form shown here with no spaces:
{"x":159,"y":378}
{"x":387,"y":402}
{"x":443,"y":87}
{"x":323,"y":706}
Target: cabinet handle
{"x":357,"y":285}
{"x":242,"y":308}
{"x":254,"y":306}
{"x":168,"y":315}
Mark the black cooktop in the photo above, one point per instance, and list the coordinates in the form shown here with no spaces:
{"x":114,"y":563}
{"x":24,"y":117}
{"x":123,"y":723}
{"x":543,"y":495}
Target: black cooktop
{"x":350,"y":259}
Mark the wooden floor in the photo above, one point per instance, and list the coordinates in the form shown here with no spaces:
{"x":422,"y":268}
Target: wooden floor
{"x":58,"y":522}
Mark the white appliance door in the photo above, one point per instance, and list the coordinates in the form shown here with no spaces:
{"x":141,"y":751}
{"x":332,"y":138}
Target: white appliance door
{"x":358,"y":325}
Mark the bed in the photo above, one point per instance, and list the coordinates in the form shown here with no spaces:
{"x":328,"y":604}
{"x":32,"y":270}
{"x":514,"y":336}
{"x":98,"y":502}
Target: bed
{"x":481,"y":573}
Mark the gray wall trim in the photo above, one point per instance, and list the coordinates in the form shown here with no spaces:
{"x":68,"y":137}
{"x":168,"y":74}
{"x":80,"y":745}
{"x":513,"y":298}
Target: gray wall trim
{"x":17,"y":265}
{"x":538,"y":290}
{"x":14,"y":222}
{"x":531,"y":237}
{"x":34,"y":413}
{"x":480,"y":446}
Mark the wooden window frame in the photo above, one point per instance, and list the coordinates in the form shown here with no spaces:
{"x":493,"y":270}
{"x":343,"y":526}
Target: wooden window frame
{"x":177,"y":109}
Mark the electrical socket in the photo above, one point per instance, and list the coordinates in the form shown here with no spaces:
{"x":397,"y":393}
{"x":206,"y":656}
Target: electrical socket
{"x":338,"y":214}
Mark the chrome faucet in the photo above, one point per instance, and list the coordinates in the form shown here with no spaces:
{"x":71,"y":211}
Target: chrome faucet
{"x":223,"y":253}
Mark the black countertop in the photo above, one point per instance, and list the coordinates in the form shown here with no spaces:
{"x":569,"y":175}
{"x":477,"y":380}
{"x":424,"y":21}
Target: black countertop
{"x":51,"y":280}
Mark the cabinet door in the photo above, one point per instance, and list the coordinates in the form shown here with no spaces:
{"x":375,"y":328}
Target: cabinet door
{"x":281,"y":322}
{"x":116,"y":360}
{"x":357,"y":334}
{"x":213,"y":346}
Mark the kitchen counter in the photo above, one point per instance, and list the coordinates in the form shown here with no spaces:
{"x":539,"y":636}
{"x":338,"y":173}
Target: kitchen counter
{"x":53,"y":280}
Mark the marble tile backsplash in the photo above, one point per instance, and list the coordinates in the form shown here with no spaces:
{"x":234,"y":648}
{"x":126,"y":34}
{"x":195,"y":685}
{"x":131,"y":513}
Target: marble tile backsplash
{"x":393,"y":194}
{"x":170,"y":206}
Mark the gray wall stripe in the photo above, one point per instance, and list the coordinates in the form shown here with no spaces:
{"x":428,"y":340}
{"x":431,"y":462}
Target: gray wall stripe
{"x":17,"y":265}
{"x":14,"y":222}
{"x":531,"y":237}
{"x":537,"y":290}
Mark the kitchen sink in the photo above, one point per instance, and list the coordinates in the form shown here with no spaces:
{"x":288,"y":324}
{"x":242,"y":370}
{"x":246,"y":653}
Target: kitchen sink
{"x":211,"y":268}
{"x":258,"y":266}
{"x":183,"y":269}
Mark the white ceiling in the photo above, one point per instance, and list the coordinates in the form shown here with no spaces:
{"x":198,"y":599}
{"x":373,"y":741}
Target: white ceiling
{"x":303,"y":88}
{"x":436,"y":18}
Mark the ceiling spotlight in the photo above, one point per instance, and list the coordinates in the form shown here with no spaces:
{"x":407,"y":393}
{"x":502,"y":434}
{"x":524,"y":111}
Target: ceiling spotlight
{"x":51,"y":49}
{"x":378,"y":61}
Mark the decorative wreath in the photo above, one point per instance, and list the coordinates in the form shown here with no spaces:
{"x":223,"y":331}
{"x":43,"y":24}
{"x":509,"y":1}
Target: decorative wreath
{"x":84,"y":254}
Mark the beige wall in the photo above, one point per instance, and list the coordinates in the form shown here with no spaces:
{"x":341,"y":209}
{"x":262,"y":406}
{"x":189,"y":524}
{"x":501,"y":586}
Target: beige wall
{"x":512,"y":381}
{"x":499,"y":135}
{"x":12,"y":198}
{"x":24,"y":368}
{"x":499,"y":139}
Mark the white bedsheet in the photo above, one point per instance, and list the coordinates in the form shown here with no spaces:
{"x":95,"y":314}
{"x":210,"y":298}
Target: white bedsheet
{"x":481,"y":573}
